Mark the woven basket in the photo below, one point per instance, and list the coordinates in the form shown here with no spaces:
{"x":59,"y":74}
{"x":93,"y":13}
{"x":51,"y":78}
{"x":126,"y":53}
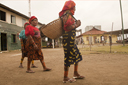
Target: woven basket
{"x":53,"y":29}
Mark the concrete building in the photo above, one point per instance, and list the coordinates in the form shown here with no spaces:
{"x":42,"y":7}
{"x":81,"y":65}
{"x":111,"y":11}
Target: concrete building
{"x":94,"y":36}
{"x":79,"y":39}
{"x":11,"y":22}
{"x":119,"y":35}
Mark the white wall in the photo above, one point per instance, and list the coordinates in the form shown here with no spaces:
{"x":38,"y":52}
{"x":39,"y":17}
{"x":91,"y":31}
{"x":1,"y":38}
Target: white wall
{"x":18,"y":18}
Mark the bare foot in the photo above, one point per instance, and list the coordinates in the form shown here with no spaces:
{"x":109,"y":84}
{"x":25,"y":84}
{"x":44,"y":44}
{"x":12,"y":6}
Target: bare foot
{"x":78,"y":76}
{"x":21,"y":66}
{"x":71,"y":80}
{"x":33,"y":66}
{"x":30,"y":71}
{"x":47,"y":69}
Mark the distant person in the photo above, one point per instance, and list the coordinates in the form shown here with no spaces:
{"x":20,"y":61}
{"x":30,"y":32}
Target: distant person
{"x":47,"y":44}
{"x":56,"y":44}
{"x":82,"y":41}
{"x":50,"y":44}
{"x":71,"y":52}
{"x":23,"y":42}
{"x":33,"y":44}
{"x":110,"y":40}
{"x":98,"y":40}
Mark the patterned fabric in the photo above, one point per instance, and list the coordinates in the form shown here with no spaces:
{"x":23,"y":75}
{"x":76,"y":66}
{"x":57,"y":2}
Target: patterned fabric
{"x":32,"y":53}
{"x":30,"y":30}
{"x":30,"y":19}
{"x":68,"y":6}
{"x":24,"y":52}
{"x":23,"y":42}
{"x":68,"y":20}
{"x":72,"y":54}
{"x":36,"y":39}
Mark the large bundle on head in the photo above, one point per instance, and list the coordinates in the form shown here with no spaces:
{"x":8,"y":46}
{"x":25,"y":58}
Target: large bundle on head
{"x":53,"y":29}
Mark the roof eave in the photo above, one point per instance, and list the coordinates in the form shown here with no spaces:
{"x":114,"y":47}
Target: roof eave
{"x":16,"y":12}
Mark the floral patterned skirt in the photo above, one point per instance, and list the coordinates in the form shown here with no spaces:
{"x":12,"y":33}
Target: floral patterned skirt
{"x":31,"y":52}
{"x":24,"y":52}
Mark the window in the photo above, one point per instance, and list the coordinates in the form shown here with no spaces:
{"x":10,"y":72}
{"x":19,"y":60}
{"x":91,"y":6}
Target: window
{"x":87,"y":38}
{"x":46,"y":39}
{"x":23,"y":22}
{"x":105,"y":37}
{"x":13,"y":38}
{"x":13,"y":19}
{"x":2,"y":15}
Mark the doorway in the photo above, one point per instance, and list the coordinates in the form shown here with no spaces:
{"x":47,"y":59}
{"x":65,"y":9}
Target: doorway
{"x":3,"y":41}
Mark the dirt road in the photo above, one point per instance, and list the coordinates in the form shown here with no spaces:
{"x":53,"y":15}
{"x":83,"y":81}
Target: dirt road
{"x":99,"y":69}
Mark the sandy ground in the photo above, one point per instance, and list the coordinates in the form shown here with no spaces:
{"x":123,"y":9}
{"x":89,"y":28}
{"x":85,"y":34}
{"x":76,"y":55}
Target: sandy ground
{"x":99,"y":69}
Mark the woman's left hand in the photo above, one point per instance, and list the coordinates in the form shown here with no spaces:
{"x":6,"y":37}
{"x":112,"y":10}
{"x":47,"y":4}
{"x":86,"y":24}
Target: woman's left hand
{"x":35,"y":47}
{"x":78,"y":23}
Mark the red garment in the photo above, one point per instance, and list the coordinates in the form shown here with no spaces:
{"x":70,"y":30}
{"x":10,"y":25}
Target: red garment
{"x":31,"y":52}
{"x":68,"y":9}
{"x":68,"y":6}
{"x":69,"y":22}
{"x":30,"y":19}
{"x":30,"y":30}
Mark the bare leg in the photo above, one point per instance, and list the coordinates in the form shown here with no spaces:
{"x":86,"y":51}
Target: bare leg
{"x":76,"y":74}
{"x":66,"y":72}
{"x":76,"y":70}
{"x":44,"y":66}
{"x":21,"y":66}
{"x":33,"y":66}
{"x":28,"y":66}
{"x":66,"y":79}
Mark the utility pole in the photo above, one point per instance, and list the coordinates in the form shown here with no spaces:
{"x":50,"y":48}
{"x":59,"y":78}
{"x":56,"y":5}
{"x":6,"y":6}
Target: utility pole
{"x":111,"y":38}
{"x":29,"y":13}
{"x":90,"y":41}
{"x":122,"y":22}
{"x":53,"y":43}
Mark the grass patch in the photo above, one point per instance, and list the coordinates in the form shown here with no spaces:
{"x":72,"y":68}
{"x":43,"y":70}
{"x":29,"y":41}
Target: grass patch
{"x":105,"y":49}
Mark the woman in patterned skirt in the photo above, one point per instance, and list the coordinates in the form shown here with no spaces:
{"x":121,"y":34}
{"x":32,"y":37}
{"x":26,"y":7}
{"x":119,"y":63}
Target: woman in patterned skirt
{"x":23,"y":42}
{"x":72,"y":54}
{"x":33,"y":44}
